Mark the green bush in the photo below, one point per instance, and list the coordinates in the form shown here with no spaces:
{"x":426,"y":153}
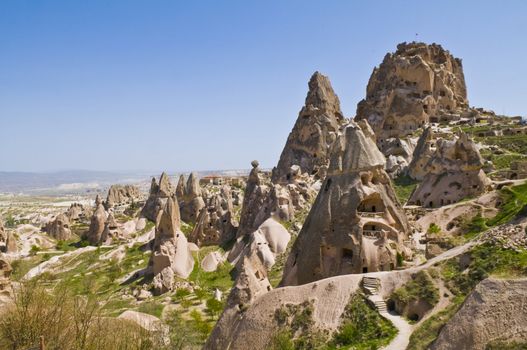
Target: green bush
{"x":362,"y":327}
{"x":421,"y":287}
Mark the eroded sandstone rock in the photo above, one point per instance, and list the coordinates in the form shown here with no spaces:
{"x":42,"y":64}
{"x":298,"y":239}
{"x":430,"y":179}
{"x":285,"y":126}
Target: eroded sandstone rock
{"x":59,"y":228}
{"x":159,"y":193}
{"x":121,"y":194}
{"x":215,"y":224}
{"x":356,"y":223}
{"x":192,"y":201}
{"x":451,"y":172}
{"x":495,"y":311}
{"x":314,"y":131}
{"x":97,"y":225}
{"x":171,"y":255}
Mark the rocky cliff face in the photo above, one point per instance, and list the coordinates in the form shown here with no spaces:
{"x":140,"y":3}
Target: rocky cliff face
{"x":356,"y":224}
{"x":314,"y":131}
{"x":451,"y":171}
{"x":495,"y":311}
{"x":413,"y":86}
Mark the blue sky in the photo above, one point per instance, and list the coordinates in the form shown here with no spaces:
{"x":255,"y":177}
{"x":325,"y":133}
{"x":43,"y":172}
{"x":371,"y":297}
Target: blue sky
{"x":196,"y":85}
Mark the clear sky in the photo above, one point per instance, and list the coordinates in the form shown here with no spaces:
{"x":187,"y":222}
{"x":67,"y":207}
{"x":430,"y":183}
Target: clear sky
{"x":197,"y":85}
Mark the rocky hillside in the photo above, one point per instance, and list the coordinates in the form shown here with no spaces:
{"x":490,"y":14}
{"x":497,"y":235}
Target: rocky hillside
{"x":403,"y":227}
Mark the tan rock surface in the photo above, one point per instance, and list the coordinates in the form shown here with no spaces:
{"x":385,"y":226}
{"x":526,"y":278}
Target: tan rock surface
{"x":314,"y":131}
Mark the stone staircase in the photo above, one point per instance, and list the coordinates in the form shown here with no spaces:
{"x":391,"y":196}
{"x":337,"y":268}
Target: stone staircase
{"x":371,"y":286}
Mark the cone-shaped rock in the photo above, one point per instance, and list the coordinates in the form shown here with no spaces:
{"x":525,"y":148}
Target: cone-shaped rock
{"x":314,"y":131}
{"x":157,"y":197}
{"x":356,"y":223}
{"x":97,"y":224}
{"x":180,"y":188}
{"x":171,"y":254}
{"x":192,"y":202}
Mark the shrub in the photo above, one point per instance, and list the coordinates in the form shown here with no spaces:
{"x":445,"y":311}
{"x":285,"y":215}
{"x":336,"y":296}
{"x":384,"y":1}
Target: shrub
{"x":421,"y":287}
{"x":362,"y":327}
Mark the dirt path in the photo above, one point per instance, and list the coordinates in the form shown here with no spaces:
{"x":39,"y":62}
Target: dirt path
{"x":53,"y":261}
{"x":402,"y":339}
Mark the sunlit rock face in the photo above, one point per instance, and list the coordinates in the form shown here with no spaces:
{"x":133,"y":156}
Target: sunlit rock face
{"x":356,"y":223}
{"x":314,"y":132}
{"x":413,"y":86}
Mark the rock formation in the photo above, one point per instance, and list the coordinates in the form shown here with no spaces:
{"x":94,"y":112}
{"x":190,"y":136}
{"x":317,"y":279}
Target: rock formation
{"x":97,"y":225}
{"x":171,"y":255}
{"x":75,"y":212}
{"x":452,"y":172}
{"x":423,"y":152}
{"x":59,"y":228}
{"x":495,"y":311}
{"x":192,"y":201}
{"x":314,"y":131}
{"x":121,"y":194}
{"x":417,"y":84}
{"x":5,"y":282}
{"x":215,"y":224}
{"x":111,"y":232}
{"x":356,"y":223}
{"x":180,"y":188}
{"x":159,"y":193}
{"x":7,"y":240}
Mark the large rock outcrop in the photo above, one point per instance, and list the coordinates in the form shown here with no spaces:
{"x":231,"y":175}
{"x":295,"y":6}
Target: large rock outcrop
{"x":215,"y":224}
{"x":356,"y":223}
{"x":496,"y":311}
{"x":417,"y":84}
{"x":59,"y":228}
{"x":413,"y":86}
{"x":192,"y":201}
{"x":121,"y":194}
{"x":452,"y":171}
{"x":97,"y":225}
{"x":159,"y":193}
{"x":171,"y":255}
{"x":314,"y":132}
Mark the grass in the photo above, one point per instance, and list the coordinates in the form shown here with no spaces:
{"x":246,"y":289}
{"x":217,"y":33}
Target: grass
{"x":362,"y":327}
{"x":152,"y":308}
{"x":221,"y":278}
{"x":511,"y":143}
{"x":421,"y":287}
{"x":428,"y":331}
{"x":404,"y":185}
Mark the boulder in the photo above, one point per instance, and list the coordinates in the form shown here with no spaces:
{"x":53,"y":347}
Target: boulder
{"x":356,"y":223}
{"x":315,"y":130}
